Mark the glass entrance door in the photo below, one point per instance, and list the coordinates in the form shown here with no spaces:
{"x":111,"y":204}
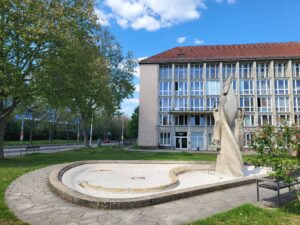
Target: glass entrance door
{"x":181,"y":140}
{"x":197,"y":140}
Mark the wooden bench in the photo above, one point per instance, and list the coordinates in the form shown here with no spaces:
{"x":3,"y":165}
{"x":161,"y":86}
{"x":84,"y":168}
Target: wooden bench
{"x":32,"y":148}
{"x":275,"y":185}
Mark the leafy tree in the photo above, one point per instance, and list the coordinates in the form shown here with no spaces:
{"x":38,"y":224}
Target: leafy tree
{"x":134,"y":123}
{"x":278,"y":148}
{"x":31,"y":31}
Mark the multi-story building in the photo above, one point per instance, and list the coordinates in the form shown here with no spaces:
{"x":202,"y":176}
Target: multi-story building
{"x":180,"y":87}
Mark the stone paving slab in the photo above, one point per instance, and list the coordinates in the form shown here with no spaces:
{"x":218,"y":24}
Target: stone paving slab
{"x":32,"y":201}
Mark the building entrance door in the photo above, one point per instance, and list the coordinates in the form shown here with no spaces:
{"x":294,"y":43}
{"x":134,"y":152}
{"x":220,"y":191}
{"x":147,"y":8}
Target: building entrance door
{"x":197,"y":140}
{"x":181,"y":140}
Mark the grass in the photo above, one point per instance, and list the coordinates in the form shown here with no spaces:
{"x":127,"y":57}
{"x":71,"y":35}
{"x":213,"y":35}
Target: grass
{"x":249,"y":214}
{"x":12,"y":168}
{"x":40,"y":142}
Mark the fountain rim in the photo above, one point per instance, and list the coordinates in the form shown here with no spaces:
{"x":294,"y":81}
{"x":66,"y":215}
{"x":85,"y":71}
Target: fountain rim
{"x":58,"y":187}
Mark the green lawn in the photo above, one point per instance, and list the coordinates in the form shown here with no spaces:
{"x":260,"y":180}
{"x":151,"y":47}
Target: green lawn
{"x":10,"y":169}
{"x":40,"y":142}
{"x":249,"y":214}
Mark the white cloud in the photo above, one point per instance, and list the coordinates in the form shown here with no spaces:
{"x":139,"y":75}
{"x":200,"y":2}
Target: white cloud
{"x":198,"y":41}
{"x":152,"y":15}
{"x":137,"y":69}
{"x":132,"y":100}
{"x":137,"y":88}
{"x":231,"y":2}
{"x":180,"y":40}
{"x":103,"y":19}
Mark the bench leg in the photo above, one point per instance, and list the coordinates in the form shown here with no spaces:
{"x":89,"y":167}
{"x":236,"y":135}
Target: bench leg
{"x":257,"y":190}
{"x":278,"y":194}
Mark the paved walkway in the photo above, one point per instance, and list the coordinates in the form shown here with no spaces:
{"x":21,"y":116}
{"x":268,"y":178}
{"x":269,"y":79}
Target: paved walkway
{"x":30,"y":198}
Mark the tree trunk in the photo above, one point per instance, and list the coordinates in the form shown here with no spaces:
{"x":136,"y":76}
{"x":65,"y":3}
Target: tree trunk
{"x":84,"y":132}
{"x":30,"y":130}
{"x":2,"y":128}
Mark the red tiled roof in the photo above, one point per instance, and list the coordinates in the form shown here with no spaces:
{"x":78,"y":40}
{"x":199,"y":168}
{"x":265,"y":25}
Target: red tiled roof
{"x":262,"y":51}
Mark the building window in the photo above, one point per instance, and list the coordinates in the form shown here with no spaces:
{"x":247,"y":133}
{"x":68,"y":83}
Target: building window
{"x":181,"y":88}
{"x":181,"y":120}
{"x":197,"y":120}
{"x":180,"y":104}
{"x":264,"y":104}
{"x":228,"y":70}
{"x":213,"y":87}
{"x":212,"y":71}
{"x":165,"y":88}
{"x":196,"y":72}
{"x":248,"y":139}
{"x":296,"y":86}
{"x":263,"y":87}
{"x":180,"y":72}
{"x":165,"y":120}
{"x":211,"y":103}
{"x":210,"y":138}
{"x":264,"y":119}
{"x":282,"y":104}
{"x":247,"y":104}
{"x":262,"y":70}
{"x":279,"y":69}
{"x":297,"y":104}
{"x":165,"y":72}
{"x":283,"y":118}
{"x":297,"y":120}
{"x":210,"y":120}
{"x":197,"y":104}
{"x":165,"y":139}
{"x":245,"y":70}
{"x":249,"y":120}
{"x":281,"y":87}
{"x":296,"y":69}
{"x":165,"y":104}
{"x":246,"y":87}
{"x":197,"y":88}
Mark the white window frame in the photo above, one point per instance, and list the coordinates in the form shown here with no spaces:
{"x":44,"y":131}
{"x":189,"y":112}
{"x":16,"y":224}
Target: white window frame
{"x":201,"y":122}
{"x":212,"y":102}
{"x":262,"y":70}
{"x":283,"y":118}
{"x":196,"y":72}
{"x":165,"y":139}
{"x":213,"y":87}
{"x":248,"y":91}
{"x":212,"y":71}
{"x":280,"y":69}
{"x":249,"y":120}
{"x":263,"y":87}
{"x":228,"y":70}
{"x":181,"y":104}
{"x":297,"y":103}
{"x":261,"y":121}
{"x":165,"y":104}
{"x":180,"y":72}
{"x":168,"y":119}
{"x":197,"y":104}
{"x":165,"y":72}
{"x":182,"y":88}
{"x":167,"y":91}
{"x":248,"y":139}
{"x":267,"y":107}
{"x":285,"y":107}
{"x":284,"y":90}
{"x":297,"y":120}
{"x":197,"y":88}
{"x":247,"y":108}
{"x":185,"y":120}
{"x":296,"y":87}
{"x":296,"y":69}
{"x":245,"y":70}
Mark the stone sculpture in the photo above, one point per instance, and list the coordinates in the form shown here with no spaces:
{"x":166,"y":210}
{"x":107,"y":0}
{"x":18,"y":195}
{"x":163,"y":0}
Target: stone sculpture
{"x":228,"y":133}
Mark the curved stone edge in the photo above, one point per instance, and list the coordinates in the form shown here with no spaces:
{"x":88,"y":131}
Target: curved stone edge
{"x":67,"y":193}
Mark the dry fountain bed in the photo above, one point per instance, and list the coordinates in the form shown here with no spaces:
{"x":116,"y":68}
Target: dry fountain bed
{"x":134,"y":184}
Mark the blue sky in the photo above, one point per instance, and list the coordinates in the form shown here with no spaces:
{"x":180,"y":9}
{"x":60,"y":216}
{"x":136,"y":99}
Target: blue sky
{"x":148,"y":27}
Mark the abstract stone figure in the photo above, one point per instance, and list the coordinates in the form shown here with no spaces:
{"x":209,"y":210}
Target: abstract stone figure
{"x":239,"y":129}
{"x":229,"y":160}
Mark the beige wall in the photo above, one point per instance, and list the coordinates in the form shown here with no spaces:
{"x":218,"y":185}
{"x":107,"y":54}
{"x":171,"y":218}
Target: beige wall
{"x":148,"y":114}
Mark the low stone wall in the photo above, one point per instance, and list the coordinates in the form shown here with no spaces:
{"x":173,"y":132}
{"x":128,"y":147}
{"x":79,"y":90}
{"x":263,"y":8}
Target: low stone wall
{"x":56,"y":185}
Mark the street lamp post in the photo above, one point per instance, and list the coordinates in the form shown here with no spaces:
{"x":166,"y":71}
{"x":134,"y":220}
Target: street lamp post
{"x":122,"y":137}
{"x":91,"y":131}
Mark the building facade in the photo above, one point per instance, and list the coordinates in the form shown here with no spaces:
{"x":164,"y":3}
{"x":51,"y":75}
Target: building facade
{"x":180,"y":87}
